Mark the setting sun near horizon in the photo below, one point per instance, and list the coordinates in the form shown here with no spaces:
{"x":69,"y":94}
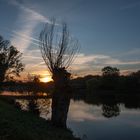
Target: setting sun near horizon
{"x":44,"y":76}
{"x":46,"y":79}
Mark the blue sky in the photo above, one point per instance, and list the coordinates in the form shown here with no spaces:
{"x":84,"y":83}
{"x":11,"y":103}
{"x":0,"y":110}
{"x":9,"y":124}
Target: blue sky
{"x":108,"y":31}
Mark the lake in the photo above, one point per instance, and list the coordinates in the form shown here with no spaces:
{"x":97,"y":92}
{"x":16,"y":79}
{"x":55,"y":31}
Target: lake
{"x":99,"y":119}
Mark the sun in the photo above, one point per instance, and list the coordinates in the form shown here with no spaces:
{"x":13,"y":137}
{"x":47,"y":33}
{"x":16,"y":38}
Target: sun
{"x":46,"y":79}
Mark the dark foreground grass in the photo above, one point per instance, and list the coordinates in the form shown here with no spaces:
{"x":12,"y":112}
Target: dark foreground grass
{"x":18,"y":125}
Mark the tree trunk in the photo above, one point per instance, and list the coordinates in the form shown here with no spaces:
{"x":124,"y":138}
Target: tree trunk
{"x":60,"y":107}
{"x":61,"y":98}
{"x":2,"y":76}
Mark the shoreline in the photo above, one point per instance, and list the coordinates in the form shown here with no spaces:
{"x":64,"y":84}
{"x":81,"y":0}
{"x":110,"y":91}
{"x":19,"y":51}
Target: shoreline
{"x":16,"y":124}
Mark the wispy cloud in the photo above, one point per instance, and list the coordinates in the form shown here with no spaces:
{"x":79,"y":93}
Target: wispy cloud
{"x":83,"y":59}
{"x":27,"y":20}
{"x":83,"y":64}
{"x":133,"y":52}
{"x":26,"y":37}
{"x":33,"y":60}
{"x":94,"y":63}
{"x":101,"y":59}
{"x":35,"y":15}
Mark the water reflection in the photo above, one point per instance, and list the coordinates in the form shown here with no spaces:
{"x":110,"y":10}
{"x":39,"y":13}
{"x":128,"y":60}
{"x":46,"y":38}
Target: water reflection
{"x":110,"y":110}
{"x":106,"y":107}
{"x":88,"y":120}
{"x":44,"y":106}
{"x":22,"y":104}
{"x":115,"y":117}
{"x":80,"y":111}
{"x":41,"y":107}
{"x":33,"y":106}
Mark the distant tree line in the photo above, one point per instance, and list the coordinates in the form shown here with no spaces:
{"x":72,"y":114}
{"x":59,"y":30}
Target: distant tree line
{"x":112,"y":80}
{"x":109,"y":80}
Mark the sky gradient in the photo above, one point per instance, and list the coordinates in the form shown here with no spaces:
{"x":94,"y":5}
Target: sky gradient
{"x":108,"y":31}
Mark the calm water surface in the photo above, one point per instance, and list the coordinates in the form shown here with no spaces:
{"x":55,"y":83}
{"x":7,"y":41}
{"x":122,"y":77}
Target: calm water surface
{"x":88,"y":122}
{"x":104,"y":121}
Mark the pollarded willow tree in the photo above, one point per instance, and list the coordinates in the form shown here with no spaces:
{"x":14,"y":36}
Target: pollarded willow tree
{"x":58,"y":50}
{"x":10,"y":60}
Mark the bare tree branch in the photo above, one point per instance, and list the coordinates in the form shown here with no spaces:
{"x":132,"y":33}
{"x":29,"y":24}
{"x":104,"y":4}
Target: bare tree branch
{"x":57,"y":47}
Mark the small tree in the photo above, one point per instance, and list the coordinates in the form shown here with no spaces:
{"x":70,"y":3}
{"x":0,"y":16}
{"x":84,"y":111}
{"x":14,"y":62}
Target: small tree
{"x":10,"y":60}
{"x":33,"y":78}
{"x":110,"y":78}
{"x":58,"y":50}
{"x":110,"y":71}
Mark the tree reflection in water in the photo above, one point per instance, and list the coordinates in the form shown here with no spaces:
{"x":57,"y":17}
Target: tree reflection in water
{"x":110,"y":110}
{"x":110,"y":105}
{"x":33,"y":106}
{"x":44,"y":106}
{"x":40,"y":107}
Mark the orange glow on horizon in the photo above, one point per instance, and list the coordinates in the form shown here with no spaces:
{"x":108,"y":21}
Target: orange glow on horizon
{"x":44,"y":76}
{"x":46,"y":79}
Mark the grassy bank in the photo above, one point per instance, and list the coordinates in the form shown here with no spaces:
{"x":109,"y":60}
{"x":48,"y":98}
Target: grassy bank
{"x":16,"y":124}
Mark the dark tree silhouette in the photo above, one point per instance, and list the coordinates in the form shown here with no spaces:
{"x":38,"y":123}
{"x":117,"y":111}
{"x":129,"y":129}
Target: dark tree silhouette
{"x":33,"y":106}
{"x":110,"y":77}
{"x":110,"y":110}
{"x":110,"y":71}
{"x":58,"y":50}
{"x":33,"y":78}
{"x":10,"y":60}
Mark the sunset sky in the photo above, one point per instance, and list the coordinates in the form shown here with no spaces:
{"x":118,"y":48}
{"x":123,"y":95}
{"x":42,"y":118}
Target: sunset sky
{"x":108,"y":31}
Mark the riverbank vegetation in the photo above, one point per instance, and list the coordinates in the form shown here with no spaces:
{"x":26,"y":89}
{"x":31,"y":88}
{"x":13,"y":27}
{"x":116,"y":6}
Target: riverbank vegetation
{"x":107,"y":82}
{"x":115,"y":82}
{"x":111,"y":81}
{"x":28,"y":86}
{"x":16,"y":124}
